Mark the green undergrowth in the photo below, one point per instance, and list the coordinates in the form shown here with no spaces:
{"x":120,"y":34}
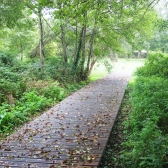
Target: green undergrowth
{"x":111,"y":156}
{"x":139,"y":137}
{"x":26,"y":91}
{"x":145,"y":142}
{"x":32,"y":103}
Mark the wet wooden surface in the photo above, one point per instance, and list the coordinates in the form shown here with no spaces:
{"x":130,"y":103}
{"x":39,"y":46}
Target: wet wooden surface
{"x":71,"y":134}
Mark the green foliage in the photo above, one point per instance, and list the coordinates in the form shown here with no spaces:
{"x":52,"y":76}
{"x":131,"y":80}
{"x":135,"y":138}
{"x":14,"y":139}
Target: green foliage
{"x":10,"y":83}
{"x":159,"y":41}
{"x":7,"y":59}
{"x":53,"y":92}
{"x":29,"y":104}
{"x":54,"y":69}
{"x":146,"y":141}
{"x":70,"y":88}
{"x":156,"y":64}
{"x":108,"y":66}
{"x":162,"y":24}
{"x":19,"y":81}
{"x":10,"y":12}
{"x":33,"y":102}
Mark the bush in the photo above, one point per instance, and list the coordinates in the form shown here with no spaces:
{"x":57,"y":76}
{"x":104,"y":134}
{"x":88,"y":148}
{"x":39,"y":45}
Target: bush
{"x":29,"y":104}
{"x":55,"y":93}
{"x":7,"y":59}
{"x":146,"y":143}
{"x":54,"y":69}
{"x":10,"y":83}
{"x":74,"y":87}
{"x":156,"y":64}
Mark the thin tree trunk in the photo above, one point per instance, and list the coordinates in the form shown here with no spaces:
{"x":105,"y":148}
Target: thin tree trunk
{"x":76,"y":34}
{"x":35,"y":51}
{"x":83,"y":48}
{"x":65,"y":59}
{"x":92,"y":41}
{"x":84,"y":44}
{"x":62,"y":26}
{"x":21,"y":52}
{"x":77,"y":57}
{"x":41,"y":46}
{"x":90,"y":51}
{"x":163,"y":49}
{"x":91,"y":66}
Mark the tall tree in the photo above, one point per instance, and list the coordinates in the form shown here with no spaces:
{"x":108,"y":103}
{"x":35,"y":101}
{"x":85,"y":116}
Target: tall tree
{"x":102,"y":23}
{"x":41,"y":35}
{"x":37,"y":7}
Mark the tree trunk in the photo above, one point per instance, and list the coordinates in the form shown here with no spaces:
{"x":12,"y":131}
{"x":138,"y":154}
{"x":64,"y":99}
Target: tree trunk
{"x":21,"y":52}
{"x":92,"y":40}
{"x":41,"y":44}
{"x":76,"y":34}
{"x":83,"y":48}
{"x":65,"y":59}
{"x":77,"y":57}
{"x":35,"y":51}
{"x":163,"y":49}
{"x":91,"y":66}
{"x":90,"y":51}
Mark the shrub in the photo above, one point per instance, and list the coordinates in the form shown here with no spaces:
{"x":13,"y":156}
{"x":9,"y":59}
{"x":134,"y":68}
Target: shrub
{"x":10,"y":83}
{"x":33,"y":103}
{"x":146,"y":143}
{"x":54,"y":69}
{"x":7,"y":59}
{"x":55,"y":93}
{"x":156,"y":64}
{"x":29,"y":104}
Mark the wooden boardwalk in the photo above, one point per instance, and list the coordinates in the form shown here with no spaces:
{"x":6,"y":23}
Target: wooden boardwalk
{"x":71,"y":134}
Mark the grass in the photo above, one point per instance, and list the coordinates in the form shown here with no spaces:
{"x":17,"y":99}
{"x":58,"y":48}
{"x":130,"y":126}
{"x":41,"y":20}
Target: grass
{"x":99,"y":70}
